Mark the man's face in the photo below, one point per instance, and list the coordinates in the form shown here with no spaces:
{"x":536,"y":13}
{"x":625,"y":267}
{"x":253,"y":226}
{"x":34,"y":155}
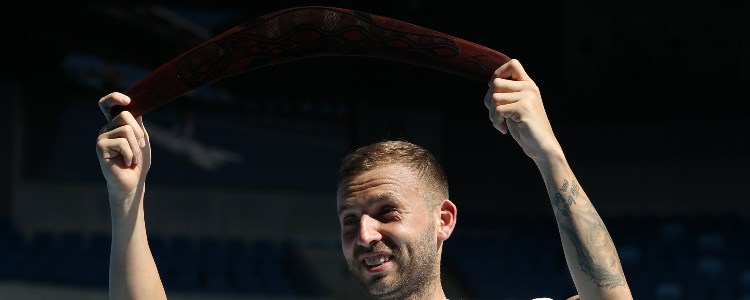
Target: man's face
{"x":388,"y":233}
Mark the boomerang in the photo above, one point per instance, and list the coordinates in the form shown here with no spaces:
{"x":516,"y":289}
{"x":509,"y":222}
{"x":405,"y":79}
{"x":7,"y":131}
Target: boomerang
{"x":304,"y":32}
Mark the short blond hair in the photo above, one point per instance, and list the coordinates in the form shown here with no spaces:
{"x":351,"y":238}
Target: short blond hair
{"x":389,"y":152}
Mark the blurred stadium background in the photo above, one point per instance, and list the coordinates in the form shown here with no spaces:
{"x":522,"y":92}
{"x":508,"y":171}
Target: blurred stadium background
{"x":647,"y":101}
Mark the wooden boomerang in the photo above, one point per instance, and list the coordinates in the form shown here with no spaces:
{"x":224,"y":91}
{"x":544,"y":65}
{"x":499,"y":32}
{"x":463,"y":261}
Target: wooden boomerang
{"x":308,"y":31}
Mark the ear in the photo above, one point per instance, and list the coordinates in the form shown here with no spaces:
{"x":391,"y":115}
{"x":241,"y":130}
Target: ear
{"x":448,"y":214}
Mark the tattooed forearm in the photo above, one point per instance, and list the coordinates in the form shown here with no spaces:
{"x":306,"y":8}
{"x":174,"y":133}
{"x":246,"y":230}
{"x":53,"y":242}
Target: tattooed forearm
{"x":595,"y":252}
{"x":563,"y":204}
{"x":605,"y":270}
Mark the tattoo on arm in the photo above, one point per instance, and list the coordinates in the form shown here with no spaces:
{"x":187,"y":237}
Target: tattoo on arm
{"x":595,"y":251}
{"x":563,"y":204}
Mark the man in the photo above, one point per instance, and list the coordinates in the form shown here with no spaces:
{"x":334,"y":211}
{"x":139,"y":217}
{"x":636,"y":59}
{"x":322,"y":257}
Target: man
{"x":393,"y":204}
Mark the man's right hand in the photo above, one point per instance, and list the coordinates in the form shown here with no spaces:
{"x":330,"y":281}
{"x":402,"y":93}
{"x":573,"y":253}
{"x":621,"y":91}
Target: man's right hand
{"x":123,"y":149}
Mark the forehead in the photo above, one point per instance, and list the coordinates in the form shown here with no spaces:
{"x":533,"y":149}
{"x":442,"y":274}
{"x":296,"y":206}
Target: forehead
{"x":390,"y":179}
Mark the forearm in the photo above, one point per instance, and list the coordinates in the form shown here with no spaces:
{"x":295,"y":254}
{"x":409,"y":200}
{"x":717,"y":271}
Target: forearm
{"x":132,"y":271}
{"x":589,"y":250}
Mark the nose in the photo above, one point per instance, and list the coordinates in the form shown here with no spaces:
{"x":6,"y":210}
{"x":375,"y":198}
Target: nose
{"x":368,"y":231}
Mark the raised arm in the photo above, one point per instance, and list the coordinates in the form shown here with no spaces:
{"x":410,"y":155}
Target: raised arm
{"x":125,"y":156}
{"x":515,"y":105}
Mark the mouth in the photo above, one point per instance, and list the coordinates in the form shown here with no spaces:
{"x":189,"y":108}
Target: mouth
{"x":376,"y":263}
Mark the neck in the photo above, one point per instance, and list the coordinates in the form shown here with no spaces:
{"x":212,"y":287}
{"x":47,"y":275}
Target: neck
{"x":436,"y":293}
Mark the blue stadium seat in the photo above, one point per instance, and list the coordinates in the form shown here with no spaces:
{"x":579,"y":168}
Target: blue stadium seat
{"x":744,"y":280}
{"x":185,"y":276}
{"x":670,"y":290}
{"x":217,"y":276}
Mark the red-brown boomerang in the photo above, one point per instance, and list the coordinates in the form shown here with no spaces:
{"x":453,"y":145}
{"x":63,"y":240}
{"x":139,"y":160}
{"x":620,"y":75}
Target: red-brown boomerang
{"x":309,"y":31}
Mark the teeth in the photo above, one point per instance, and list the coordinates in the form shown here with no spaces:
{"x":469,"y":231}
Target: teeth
{"x":376,"y":260}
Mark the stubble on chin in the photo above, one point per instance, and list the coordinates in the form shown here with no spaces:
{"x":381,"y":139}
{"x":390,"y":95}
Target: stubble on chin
{"x":375,"y":284}
{"x":406,"y":279}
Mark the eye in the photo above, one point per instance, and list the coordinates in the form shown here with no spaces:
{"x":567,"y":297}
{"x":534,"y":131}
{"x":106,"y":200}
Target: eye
{"x":348,"y":220}
{"x":387,"y":210}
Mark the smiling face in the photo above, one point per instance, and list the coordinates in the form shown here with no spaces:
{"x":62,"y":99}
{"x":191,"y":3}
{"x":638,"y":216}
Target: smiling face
{"x":388,"y":232}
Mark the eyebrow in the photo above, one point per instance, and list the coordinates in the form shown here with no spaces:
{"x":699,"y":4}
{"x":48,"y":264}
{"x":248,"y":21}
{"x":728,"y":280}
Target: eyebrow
{"x":372,"y":201}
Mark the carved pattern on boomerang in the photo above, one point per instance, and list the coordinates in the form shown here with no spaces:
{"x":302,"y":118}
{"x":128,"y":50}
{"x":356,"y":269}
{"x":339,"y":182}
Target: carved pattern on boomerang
{"x":303,"y":32}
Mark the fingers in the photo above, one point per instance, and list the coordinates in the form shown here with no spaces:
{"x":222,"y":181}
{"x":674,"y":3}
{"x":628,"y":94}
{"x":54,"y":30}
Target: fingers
{"x":507,"y":116}
{"x":500,"y":108}
{"x":113,"y":99}
{"x":139,"y":119}
{"x":125,"y":118}
{"x":498,"y":122}
{"x":509,"y":85}
{"x":488,"y":98}
{"x":504,"y":91}
{"x":500,"y":85}
{"x":496,"y":103}
{"x":123,"y":135}
{"x":112,"y":148}
{"x":127,"y":135}
{"x":513,"y":70}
